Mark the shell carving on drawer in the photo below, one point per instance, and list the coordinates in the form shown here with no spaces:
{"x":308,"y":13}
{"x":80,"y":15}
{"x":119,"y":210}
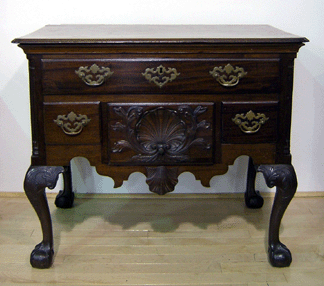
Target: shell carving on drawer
{"x":160,"y":134}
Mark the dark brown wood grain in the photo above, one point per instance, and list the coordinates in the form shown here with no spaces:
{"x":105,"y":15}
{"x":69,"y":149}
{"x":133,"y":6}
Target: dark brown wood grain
{"x":89,"y":134}
{"x":61,"y":155}
{"x":59,"y":76}
{"x":233,"y":134}
{"x":157,"y":34}
{"x":56,"y":53}
{"x":180,"y":133}
{"x":161,"y":100}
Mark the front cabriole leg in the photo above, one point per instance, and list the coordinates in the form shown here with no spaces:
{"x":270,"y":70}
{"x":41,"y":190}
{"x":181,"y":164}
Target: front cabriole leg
{"x":285,"y":180}
{"x":36,"y":180}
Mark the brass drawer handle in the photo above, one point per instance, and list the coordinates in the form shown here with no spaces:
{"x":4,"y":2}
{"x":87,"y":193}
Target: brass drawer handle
{"x":72,"y":124}
{"x":228,"y":76}
{"x":159,"y":75}
{"x":94,"y":75}
{"x":250,"y":122}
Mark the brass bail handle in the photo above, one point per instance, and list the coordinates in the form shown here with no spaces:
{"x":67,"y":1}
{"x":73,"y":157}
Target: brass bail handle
{"x":250,"y":122}
{"x":72,"y":124}
{"x":94,"y":75}
{"x":228,"y":76}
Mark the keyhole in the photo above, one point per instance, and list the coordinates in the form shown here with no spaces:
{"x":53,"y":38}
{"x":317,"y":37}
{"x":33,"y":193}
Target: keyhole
{"x":160,"y":70}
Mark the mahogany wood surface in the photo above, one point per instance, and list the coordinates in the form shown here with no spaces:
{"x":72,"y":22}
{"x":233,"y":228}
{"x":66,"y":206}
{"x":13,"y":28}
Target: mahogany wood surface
{"x":163,"y":100}
{"x":158,"y":34}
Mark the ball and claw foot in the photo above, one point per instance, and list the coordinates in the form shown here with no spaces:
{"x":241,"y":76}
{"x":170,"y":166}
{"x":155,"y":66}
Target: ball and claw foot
{"x":255,"y":201}
{"x":279,"y":255}
{"x":64,"y":200}
{"x":42,"y":256}
{"x":37,"y":179}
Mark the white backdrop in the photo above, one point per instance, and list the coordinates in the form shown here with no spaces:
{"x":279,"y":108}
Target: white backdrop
{"x":301,"y":17}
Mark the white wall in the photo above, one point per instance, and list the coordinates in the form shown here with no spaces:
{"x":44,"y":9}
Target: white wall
{"x":301,"y":17}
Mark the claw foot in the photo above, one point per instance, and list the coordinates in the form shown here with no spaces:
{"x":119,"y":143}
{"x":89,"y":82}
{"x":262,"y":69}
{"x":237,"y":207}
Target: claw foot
{"x":64,"y":200}
{"x":42,"y":256}
{"x":254,"y":201}
{"x":279,"y":255}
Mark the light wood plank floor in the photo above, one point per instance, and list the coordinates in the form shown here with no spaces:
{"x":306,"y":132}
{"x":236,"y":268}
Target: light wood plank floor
{"x":168,"y":240}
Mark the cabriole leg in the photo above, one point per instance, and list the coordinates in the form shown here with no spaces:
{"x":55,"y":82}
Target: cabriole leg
{"x":36,"y":180}
{"x":253,"y":199}
{"x":285,"y":180}
{"x":65,"y":198}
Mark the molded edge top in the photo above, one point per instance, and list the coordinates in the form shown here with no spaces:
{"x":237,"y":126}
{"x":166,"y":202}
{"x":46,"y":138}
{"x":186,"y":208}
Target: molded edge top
{"x":158,"y":34}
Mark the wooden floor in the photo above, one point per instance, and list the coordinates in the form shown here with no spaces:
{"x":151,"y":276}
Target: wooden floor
{"x":170,"y":240}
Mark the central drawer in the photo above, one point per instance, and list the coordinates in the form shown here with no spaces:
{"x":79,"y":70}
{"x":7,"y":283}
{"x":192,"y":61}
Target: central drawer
{"x":186,"y":75}
{"x":160,"y":133}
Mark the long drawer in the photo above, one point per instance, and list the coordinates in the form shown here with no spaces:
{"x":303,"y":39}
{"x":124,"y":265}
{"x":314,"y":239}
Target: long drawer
{"x":169,"y":76}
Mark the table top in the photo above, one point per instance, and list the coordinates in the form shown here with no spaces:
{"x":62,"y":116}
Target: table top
{"x":158,"y":34}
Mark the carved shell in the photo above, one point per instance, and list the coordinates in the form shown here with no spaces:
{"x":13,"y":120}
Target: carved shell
{"x":161,"y":180}
{"x":161,"y":131}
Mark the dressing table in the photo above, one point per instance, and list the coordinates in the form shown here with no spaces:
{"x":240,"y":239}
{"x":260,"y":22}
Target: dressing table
{"x":161,"y":100}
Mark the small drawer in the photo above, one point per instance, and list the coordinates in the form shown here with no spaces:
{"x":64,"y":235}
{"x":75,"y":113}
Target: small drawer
{"x":165,"y":76}
{"x":160,"y":133}
{"x":72,"y":123}
{"x":249,"y":122}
